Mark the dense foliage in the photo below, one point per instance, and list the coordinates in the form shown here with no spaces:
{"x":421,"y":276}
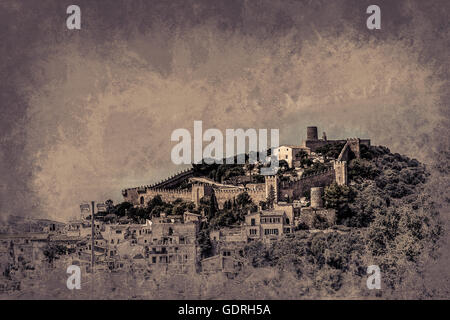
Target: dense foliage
{"x":126,"y":212}
{"x":393,"y":223}
{"x":331,"y":150}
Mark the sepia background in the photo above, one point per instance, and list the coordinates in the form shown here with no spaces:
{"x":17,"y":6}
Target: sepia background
{"x":86,"y":113}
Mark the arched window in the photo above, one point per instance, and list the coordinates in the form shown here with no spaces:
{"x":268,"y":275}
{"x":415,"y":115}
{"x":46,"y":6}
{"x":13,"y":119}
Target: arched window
{"x":141,"y":200}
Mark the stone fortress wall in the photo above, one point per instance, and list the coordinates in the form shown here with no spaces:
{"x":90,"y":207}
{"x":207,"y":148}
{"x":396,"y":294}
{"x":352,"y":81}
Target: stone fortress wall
{"x":313,"y":142}
{"x":284,"y":190}
{"x":297,"y":189}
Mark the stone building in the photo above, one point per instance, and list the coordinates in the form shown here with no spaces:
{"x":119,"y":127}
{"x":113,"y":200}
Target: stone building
{"x":291,"y":154}
{"x":269,"y":224}
{"x":228,"y":251}
{"x":173,"y":247}
{"x":313,"y":142}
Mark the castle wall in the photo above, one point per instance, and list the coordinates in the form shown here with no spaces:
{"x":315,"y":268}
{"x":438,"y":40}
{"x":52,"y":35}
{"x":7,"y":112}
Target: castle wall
{"x":174,"y":180}
{"x":296,"y":189}
{"x":257,"y":195}
{"x":198,"y":191}
{"x":134,"y":195}
{"x":315,"y":144}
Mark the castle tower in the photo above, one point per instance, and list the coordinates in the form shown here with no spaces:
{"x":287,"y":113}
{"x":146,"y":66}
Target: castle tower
{"x":199,"y":190}
{"x":272,"y":181}
{"x":316,"y":197}
{"x":340,"y":170}
{"x":311,"y":133}
{"x":354,"y":144}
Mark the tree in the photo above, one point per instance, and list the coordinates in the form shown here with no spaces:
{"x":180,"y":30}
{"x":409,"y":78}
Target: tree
{"x":284,"y":166}
{"x":155,"y":201}
{"x":122,"y":208}
{"x":338,"y":197}
{"x":109,"y":206}
{"x":263,"y":205}
{"x":331,"y":150}
{"x":53,"y":251}
{"x":271,"y":197}
{"x":204,"y":242}
{"x":213,"y":205}
{"x":243,"y":200}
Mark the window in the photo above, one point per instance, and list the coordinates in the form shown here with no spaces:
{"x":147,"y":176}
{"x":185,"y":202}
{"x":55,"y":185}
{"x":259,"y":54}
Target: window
{"x":287,"y":220}
{"x":118,"y":231}
{"x":141,"y":200}
{"x":253,"y":223}
{"x":153,"y":259}
{"x":253,"y":231}
{"x":270,"y":232}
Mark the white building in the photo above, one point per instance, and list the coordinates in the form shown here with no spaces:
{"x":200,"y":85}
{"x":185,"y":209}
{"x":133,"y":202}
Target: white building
{"x":291,"y":154}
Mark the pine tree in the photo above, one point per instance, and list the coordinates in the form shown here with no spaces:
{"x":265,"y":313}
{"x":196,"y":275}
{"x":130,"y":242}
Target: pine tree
{"x":271,"y":197}
{"x":213,"y":206}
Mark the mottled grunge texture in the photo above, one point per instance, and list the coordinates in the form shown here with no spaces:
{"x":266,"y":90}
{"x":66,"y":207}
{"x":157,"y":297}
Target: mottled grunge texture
{"x":86,"y":113}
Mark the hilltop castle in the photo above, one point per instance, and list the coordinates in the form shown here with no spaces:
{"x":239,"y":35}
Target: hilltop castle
{"x":293,"y":189}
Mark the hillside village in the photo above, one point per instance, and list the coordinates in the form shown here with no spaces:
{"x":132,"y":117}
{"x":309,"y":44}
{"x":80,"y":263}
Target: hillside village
{"x":174,"y":241}
{"x":205,"y":220}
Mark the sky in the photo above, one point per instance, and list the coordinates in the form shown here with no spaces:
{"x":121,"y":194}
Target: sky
{"x":87,"y":113}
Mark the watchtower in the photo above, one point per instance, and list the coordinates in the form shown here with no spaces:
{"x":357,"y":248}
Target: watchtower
{"x":311,"y":133}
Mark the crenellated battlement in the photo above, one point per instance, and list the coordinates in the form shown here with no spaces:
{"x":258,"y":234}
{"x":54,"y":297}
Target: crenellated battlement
{"x":173,"y":179}
{"x":237,"y":191}
{"x":170,"y":191}
{"x":319,"y":173}
{"x":293,"y":189}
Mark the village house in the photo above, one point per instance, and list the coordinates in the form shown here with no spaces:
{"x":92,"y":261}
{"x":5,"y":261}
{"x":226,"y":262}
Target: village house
{"x":227,"y":249}
{"x":173,"y":246}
